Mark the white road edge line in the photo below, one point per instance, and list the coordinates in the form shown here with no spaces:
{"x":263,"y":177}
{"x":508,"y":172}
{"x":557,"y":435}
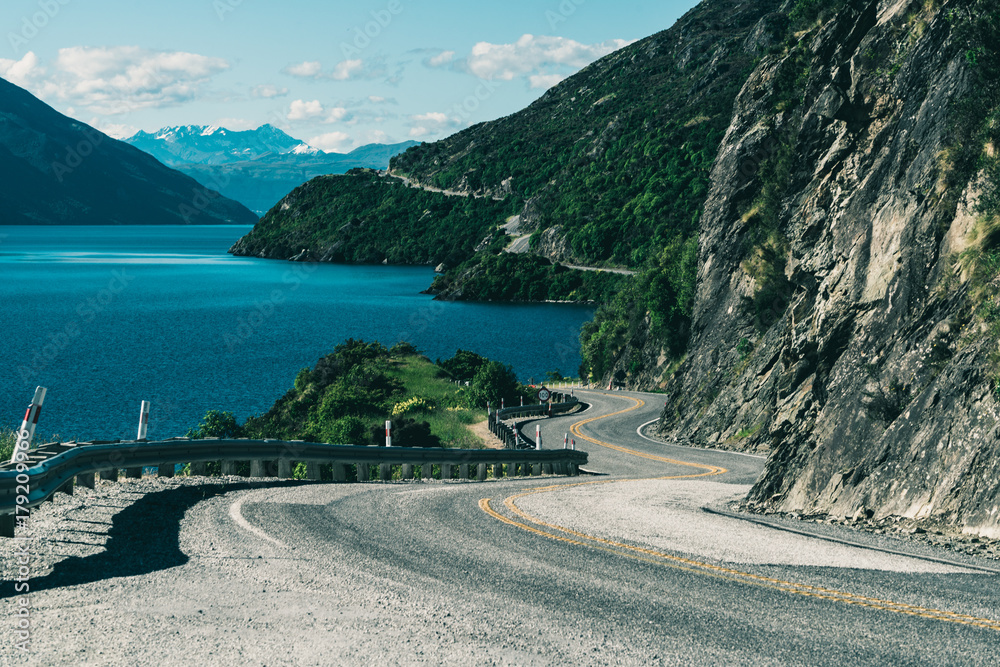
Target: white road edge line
{"x":236,"y":514}
{"x":660,"y":442}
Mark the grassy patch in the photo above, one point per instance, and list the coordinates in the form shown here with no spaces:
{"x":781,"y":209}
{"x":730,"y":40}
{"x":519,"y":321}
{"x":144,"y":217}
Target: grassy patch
{"x":8,"y":438}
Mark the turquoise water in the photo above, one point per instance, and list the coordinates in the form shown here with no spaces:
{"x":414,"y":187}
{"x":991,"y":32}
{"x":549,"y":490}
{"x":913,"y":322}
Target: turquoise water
{"x":106,"y":317}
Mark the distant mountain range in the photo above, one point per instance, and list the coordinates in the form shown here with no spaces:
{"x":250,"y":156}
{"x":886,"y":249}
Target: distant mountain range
{"x":256,"y":167}
{"x":59,"y":171}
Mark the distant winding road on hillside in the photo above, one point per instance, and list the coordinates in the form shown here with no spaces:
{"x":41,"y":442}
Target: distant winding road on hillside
{"x":622,"y":567}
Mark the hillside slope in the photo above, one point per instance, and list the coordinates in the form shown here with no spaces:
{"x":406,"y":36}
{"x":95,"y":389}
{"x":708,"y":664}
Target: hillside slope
{"x":58,"y":171}
{"x":607,"y":168}
{"x":846,"y":317}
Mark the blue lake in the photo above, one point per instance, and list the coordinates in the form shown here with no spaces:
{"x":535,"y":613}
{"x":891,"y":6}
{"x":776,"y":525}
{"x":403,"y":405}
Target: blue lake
{"x":106,"y":317}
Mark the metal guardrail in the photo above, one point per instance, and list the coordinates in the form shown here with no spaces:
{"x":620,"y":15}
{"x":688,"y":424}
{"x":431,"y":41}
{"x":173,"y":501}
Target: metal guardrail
{"x":509,"y":435}
{"x":53,"y":466}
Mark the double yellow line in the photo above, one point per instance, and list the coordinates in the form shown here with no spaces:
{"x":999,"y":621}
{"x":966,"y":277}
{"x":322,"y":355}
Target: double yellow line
{"x":545,"y":529}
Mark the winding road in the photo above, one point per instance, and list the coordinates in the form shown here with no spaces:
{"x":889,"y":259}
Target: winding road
{"x":622,"y":567}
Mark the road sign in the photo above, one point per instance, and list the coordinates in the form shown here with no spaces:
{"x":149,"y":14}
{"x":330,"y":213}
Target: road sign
{"x":544,"y":394}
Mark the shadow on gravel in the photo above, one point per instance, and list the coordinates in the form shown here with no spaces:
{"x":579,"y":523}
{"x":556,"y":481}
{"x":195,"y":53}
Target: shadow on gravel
{"x":142,"y":538}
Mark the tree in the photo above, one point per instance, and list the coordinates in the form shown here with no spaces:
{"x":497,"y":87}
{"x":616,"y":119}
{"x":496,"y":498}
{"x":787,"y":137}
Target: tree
{"x":217,"y":424}
{"x":493,"y":382}
{"x":464,"y":365}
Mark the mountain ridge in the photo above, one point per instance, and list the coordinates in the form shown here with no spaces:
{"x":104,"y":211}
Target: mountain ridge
{"x":255,"y":167}
{"x":60,"y":171}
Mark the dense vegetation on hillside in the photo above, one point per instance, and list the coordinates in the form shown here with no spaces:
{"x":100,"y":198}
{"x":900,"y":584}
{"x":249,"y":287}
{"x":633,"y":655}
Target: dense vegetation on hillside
{"x":348,"y":395}
{"x":363,"y":218}
{"x":516,"y":277}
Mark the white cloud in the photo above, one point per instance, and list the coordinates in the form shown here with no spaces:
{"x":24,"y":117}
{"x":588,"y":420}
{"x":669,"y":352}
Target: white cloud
{"x":236,"y":124}
{"x":441,"y":59}
{"x":545,"y":81}
{"x":267,"y":91}
{"x":302,"y":110}
{"x":314,"y":110}
{"x":21,"y":72}
{"x":116,"y":80}
{"x":116,"y":130}
{"x":533,"y":55}
{"x":347,"y":70}
{"x":307,"y":70}
{"x":433,"y":123}
{"x":335,"y":142}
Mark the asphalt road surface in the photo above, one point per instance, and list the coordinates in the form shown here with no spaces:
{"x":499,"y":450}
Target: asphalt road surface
{"x":617,"y":568}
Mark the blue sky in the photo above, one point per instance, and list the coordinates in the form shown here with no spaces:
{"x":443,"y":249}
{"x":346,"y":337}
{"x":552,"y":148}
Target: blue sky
{"x":336,"y":74}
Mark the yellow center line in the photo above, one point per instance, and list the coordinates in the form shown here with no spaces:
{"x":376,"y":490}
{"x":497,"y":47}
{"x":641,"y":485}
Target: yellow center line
{"x":690,"y":565}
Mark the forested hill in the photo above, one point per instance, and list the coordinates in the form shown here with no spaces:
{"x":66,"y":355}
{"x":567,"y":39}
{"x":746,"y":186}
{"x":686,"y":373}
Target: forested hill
{"x":610,"y":167}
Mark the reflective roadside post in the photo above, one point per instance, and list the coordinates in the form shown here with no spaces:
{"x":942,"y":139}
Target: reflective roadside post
{"x":27,"y":432}
{"x":136,"y":473}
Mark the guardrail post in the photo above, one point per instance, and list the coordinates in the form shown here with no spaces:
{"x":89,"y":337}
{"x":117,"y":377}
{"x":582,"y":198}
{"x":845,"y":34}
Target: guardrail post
{"x":385,"y":470}
{"x":136,"y":473}
{"x":339,"y":472}
{"x":546,"y":468}
{"x":463,"y":471}
{"x":7,"y":524}
{"x":66,"y":488}
{"x":362,"y":471}
{"x":165,"y":470}
{"x":525,"y":469}
{"x":110,"y":475}
{"x":536,"y":470}
{"x":257,"y":469}
{"x":446,"y":471}
{"x":427,"y":470}
{"x":312,"y":471}
{"x":285,"y":468}
{"x":498,"y":470}
{"x":481,"y":472}
{"x":85,"y":480}
{"x":228,"y":468}
{"x":27,"y":432}
{"x":407,"y":471}
{"x":198,"y":469}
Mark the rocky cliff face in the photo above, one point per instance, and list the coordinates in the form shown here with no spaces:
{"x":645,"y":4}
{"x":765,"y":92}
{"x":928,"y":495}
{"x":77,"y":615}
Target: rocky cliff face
{"x":831,"y":327}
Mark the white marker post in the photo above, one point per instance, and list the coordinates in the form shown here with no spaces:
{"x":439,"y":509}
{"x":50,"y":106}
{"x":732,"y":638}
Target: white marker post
{"x":143,"y":421}
{"x":27,"y":432}
{"x":136,"y":473}
{"x":502,"y":404}
{"x":388,"y":433}
{"x":538,"y":436}
{"x":574,"y":444}
{"x":566,"y":441}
